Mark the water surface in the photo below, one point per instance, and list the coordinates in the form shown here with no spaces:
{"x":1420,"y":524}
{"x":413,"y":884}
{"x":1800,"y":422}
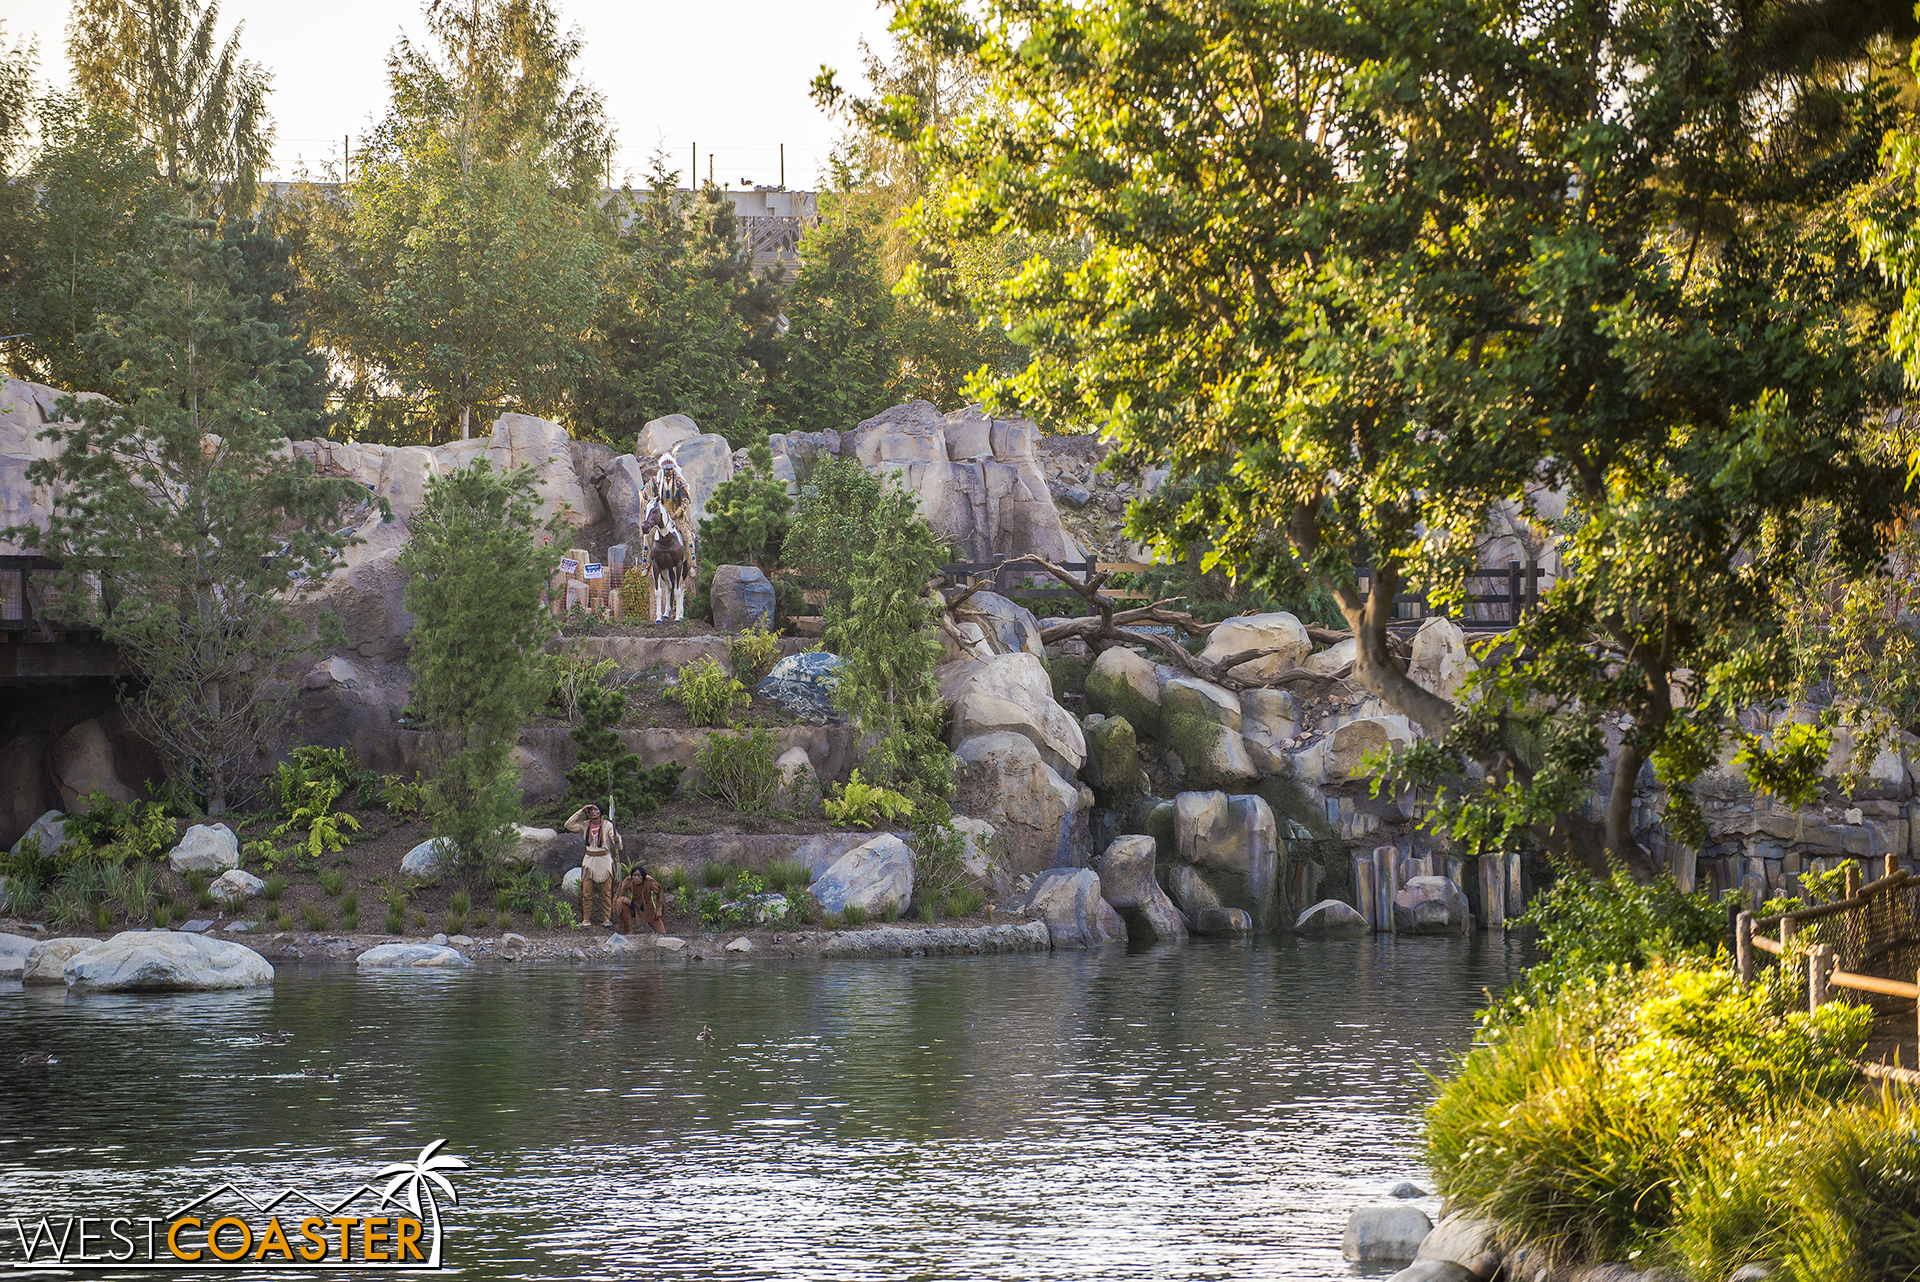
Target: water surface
{"x":1206,"y":1112}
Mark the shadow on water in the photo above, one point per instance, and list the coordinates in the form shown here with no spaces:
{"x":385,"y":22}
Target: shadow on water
{"x":1209,"y":1111}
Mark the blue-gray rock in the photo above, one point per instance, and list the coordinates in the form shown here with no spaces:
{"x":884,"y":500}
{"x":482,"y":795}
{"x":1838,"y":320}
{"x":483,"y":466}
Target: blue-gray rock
{"x":408,"y":956}
{"x":52,"y":830}
{"x":197,"y":926}
{"x":166,"y":961}
{"x":1076,"y":496}
{"x":236,"y":886}
{"x":1384,"y":1231}
{"x":1435,"y":1271}
{"x":210,"y":848}
{"x":1223,"y":921}
{"x":47,"y":963}
{"x":803,"y":684}
{"x":14,"y":950}
{"x":1405,"y":1188}
{"x":1068,"y":900}
{"x":874,"y":876}
{"x":425,"y":859}
{"x":1127,"y":883}
{"x":742,"y":597}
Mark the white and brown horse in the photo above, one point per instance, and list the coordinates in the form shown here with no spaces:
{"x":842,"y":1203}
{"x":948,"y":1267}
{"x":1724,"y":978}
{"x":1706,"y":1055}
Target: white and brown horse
{"x":667,"y":562}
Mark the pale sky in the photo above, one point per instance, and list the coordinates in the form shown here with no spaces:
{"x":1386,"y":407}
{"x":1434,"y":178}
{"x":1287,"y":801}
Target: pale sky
{"x":730,"y":77}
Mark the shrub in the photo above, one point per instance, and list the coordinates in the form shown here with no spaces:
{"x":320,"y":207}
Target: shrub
{"x":966,"y":901}
{"x":137,"y":896}
{"x":715,"y":876}
{"x":605,"y":766}
{"x":315,"y":915}
{"x":788,"y":874}
{"x":939,"y":853}
{"x":333,"y":883}
{"x":707,"y":693}
{"x":314,"y":812}
{"x":113,"y":831}
{"x":857,"y":804}
{"x":754,"y":652}
{"x":739,"y":769}
{"x":276,"y":886}
{"x":27,"y":863}
{"x":674,"y":878}
{"x":307,"y":765}
{"x":502,"y":900}
{"x":404,"y":797}
{"x":574,"y":671}
{"x":395,"y":923}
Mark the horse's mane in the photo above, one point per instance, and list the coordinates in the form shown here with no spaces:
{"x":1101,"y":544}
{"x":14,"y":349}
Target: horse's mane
{"x":666,"y":519}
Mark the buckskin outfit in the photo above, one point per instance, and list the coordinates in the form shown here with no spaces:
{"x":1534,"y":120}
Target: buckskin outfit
{"x":596,"y":862}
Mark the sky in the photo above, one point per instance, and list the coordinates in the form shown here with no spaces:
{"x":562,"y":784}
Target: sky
{"x":731,"y":77}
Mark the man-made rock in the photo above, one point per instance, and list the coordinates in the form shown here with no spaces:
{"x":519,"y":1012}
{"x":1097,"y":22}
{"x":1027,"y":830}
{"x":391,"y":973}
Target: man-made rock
{"x":939,"y":941}
{"x":426,"y":859}
{"x":663,"y":435}
{"x":1435,"y":1271}
{"x":803,"y":684}
{"x":164,"y":961}
{"x":1333,"y":660}
{"x":820,"y":852}
{"x":196,"y":926}
{"x":742,"y":598}
{"x":1223,"y":921}
{"x":794,"y":764}
{"x":1011,"y":693}
{"x":1384,"y":1231}
{"x":46,"y":961}
{"x":1458,"y":1238}
{"x":1041,"y":817}
{"x":1122,"y":684}
{"x":874,"y":875}
{"x":1279,"y":631}
{"x":512,"y":945}
{"x":1203,"y":700}
{"x":208,"y":848}
{"x":1431,"y":906}
{"x":1406,"y":1188}
{"x":1333,"y":917}
{"x":570,"y":881}
{"x":1269,"y":719}
{"x":82,"y":764}
{"x":1342,"y":755}
{"x":1005,"y":625}
{"x":14,"y":952}
{"x":670,"y":944}
{"x":1112,"y":768}
{"x":1201,"y":722}
{"x":1127,"y":883}
{"x":741,"y":945}
{"x":405,"y":956}
{"x":50,"y":828}
{"x":1190,"y":893}
{"x":1234,"y":839}
{"x":979,"y":854}
{"x":236,"y":886}
{"x":530,"y":845}
{"x":1441,"y":661}
{"x":1068,"y":900}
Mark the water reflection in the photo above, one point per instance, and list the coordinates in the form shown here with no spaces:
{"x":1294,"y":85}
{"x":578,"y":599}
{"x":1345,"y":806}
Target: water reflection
{"x":1203,"y":1112}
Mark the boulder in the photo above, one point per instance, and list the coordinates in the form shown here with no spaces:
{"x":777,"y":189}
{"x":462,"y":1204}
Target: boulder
{"x":1384,"y":1231}
{"x":1190,"y":893}
{"x":1235,"y":838}
{"x":165,"y":961}
{"x":512,"y":945}
{"x":740,"y":945}
{"x":1068,"y":900}
{"x":1122,"y":684}
{"x":670,"y":944}
{"x":1201,"y":700}
{"x":14,"y":952}
{"x":820,"y":852}
{"x":427,"y":858}
{"x":51,"y":828}
{"x":46,"y":961}
{"x":208,"y":848}
{"x":803,"y":684}
{"x":1441,"y":661}
{"x":1332,"y":917}
{"x":1279,"y":631}
{"x":1431,"y":906}
{"x":707,"y":463}
{"x":1435,"y":1271}
{"x":1201,"y":725}
{"x":1269,"y":719}
{"x":1040,"y":817}
{"x":980,"y":857}
{"x":1127,"y":882}
{"x":1011,"y":693}
{"x":1112,"y":768}
{"x":82,"y":763}
{"x":873,"y":876}
{"x":1459,"y":1238}
{"x":236,"y":886}
{"x":404,"y":956}
{"x":570,"y":881}
{"x":662,"y":436}
{"x":530,"y":845}
{"x":1223,"y":921}
{"x":1006,"y":626}
{"x":1342,"y":755}
{"x":742,"y":598}
{"x":1333,"y":660}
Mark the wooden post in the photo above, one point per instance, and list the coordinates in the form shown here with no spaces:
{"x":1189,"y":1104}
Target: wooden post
{"x":1853,"y":878}
{"x":1743,"y":946}
{"x":1513,"y":594}
{"x":1819,"y":973}
{"x":1516,"y":901}
{"x":1493,"y":892}
{"x":1893,"y":863}
{"x":1787,"y":928}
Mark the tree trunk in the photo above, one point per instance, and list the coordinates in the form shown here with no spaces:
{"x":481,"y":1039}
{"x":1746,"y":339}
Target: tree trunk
{"x":1626,"y":774}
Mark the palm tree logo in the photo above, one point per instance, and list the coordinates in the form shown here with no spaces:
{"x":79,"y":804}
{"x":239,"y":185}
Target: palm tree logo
{"x":418,"y":1176}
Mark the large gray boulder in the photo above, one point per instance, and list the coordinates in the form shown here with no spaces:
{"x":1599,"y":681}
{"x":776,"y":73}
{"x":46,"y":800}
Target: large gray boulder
{"x":1459,"y":1238}
{"x":1269,"y":719}
{"x":1123,"y":684}
{"x":1437,"y":1271}
{"x":1112,"y":768}
{"x":165,"y":961}
{"x":50,"y":828}
{"x":426,"y":859}
{"x":803,"y":684}
{"x":1011,"y":693}
{"x":1342,"y":755}
{"x":14,"y":952}
{"x":1003,"y":626}
{"x":1201,"y":724}
{"x":1431,"y":906}
{"x":1384,"y":1231}
{"x":46,"y":962}
{"x":742,"y":598}
{"x":1040,"y":817}
{"x":411,"y":956}
{"x":1068,"y":900}
{"x":206,"y":848}
{"x":1234,"y":840}
{"x":530,"y":845}
{"x":82,"y":763}
{"x":1190,"y":893}
{"x":1441,"y":661}
{"x":1283,"y":633}
{"x":873,"y":876}
{"x":1127,"y":882}
{"x":236,"y":886}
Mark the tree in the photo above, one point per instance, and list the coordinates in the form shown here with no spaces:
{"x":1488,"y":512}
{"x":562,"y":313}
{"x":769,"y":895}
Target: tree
{"x":16,"y":100}
{"x":840,"y":356}
{"x":178,"y":500}
{"x":196,"y":105}
{"x":746,"y":523}
{"x":606,"y":769}
{"x":1364,"y":274}
{"x":884,"y":630}
{"x":479,"y":557}
{"x":839,"y":509}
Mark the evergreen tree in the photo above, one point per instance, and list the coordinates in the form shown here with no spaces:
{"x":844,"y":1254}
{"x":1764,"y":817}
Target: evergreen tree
{"x":840,"y":356}
{"x":605,"y":769}
{"x":479,"y":557}
{"x":176,"y":497}
{"x":275,"y":295}
{"x":746,"y":524}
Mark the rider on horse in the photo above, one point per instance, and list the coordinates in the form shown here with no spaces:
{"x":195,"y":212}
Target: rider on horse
{"x":669,"y":490}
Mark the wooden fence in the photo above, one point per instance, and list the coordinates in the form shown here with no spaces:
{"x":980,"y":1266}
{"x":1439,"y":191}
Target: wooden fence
{"x":1519,"y":591}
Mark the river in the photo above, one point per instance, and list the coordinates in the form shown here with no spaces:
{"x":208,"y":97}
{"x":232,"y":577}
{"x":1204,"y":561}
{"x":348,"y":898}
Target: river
{"x":1204,"y":1112}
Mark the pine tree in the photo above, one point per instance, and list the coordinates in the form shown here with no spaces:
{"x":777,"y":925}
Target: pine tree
{"x":606,"y":771}
{"x":840,"y":356}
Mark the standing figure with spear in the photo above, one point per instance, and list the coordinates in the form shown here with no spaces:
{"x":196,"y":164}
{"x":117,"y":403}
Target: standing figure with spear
{"x":596,"y":862}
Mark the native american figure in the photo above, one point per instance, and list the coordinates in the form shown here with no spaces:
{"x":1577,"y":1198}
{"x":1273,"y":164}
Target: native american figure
{"x":667,"y":561}
{"x":670,"y":490}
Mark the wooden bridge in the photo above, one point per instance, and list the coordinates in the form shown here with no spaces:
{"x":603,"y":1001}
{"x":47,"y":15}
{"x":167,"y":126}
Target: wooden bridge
{"x":39,"y":640}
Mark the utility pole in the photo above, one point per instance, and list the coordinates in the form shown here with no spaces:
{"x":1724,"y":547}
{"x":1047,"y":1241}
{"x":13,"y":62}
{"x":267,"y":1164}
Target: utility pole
{"x":347,"y":173}
{"x":783,"y":166}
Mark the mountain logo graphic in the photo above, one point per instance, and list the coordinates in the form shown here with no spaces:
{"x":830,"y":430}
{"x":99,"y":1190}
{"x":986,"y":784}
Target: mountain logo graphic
{"x":396,"y":1228}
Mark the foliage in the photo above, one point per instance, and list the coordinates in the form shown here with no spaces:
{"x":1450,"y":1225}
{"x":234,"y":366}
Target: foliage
{"x":754,"y":652}
{"x":838,"y":511}
{"x":198,"y":106}
{"x":179,"y":496}
{"x":30,"y":862}
{"x":315,"y":813}
{"x":1364,"y":282}
{"x":606,"y":768}
{"x":739,"y":769}
{"x":309,"y":764}
{"x":480,"y":556}
{"x":883,"y":630}
{"x":707,"y":693}
{"x":574,"y":670}
{"x":110,"y":831}
{"x":840,"y":357}
{"x":788,"y":874}
{"x":859,"y":804}
{"x":746,"y":524}
{"x":405,"y":796}
{"x":1582,"y":1124}
{"x":939,"y":856}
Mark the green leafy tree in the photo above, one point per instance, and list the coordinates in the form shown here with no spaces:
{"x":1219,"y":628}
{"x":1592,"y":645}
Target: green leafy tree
{"x":840,"y":356}
{"x":746,"y":524}
{"x":1364,"y":279}
{"x":606,"y":769}
{"x":16,"y":99}
{"x":839,"y":509}
{"x":884,"y":630}
{"x":198,"y":107}
{"x":177,"y":498}
{"x":479,"y":556}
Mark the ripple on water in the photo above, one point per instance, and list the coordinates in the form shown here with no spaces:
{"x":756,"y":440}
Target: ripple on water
{"x":1206,"y":1112}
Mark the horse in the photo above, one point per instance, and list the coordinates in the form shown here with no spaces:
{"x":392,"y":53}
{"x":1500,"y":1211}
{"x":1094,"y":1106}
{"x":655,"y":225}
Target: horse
{"x":667,"y":561}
